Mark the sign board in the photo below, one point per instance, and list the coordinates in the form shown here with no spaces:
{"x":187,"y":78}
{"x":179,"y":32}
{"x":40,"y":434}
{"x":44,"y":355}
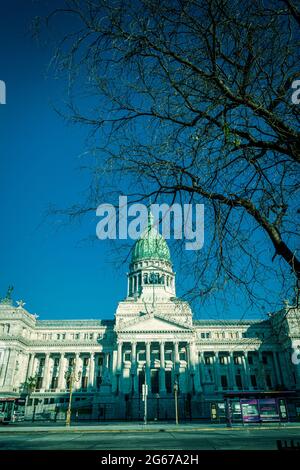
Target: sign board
{"x":250,"y":412}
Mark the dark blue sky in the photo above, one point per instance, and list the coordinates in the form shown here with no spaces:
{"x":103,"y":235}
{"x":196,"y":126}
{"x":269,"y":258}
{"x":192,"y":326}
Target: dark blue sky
{"x":50,"y":266}
{"x":53,"y":266}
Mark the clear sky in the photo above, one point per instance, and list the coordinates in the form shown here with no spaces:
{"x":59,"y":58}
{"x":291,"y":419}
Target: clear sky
{"x":54,"y":267}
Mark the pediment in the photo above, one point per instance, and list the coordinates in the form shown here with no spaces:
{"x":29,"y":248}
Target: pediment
{"x":153,"y":323}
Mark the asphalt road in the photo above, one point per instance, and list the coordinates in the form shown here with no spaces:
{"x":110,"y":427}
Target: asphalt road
{"x":223,"y":439}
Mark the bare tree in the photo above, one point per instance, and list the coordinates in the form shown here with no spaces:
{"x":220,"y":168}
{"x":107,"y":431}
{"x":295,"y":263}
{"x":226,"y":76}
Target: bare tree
{"x":191,"y":101}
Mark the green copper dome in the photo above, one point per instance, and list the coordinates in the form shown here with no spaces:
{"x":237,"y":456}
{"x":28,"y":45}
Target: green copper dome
{"x":151,"y":245}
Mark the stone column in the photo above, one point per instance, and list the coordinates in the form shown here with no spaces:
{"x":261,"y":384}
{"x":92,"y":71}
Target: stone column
{"x":77,"y":383}
{"x":217,"y":372}
{"x":4,"y":366}
{"x":119,"y":357}
{"x":232,"y":372}
{"x":119,"y":366}
{"x":246,"y":373}
{"x":30,"y":365}
{"x":10,"y":371}
{"x":133,"y":368}
{"x":45,"y":384}
{"x":61,"y":373}
{"x":162,"y":375}
{"x":201,"y":369}
{"x":176,"y":356}
{"x":92,"y":370}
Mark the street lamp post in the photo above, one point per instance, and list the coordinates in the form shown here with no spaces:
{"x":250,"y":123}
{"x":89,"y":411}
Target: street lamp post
{"x":176,"y":400}
{"x":70,"y":376}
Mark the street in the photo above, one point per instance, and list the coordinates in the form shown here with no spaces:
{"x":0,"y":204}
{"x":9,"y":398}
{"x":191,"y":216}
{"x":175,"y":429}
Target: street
{"x":182,"y":439}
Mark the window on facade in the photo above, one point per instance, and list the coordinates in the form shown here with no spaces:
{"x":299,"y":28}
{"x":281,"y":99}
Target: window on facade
{"x":268,"y":381}
{"x":141,"y":380}
{"x":168,"y":355}
{"x":207,"y":335}
{"x":98,"y":381}
{"x":222,"y":359}
{"x":85,"y":361}
{"x":51,"y":401}
{"x":100,"y":360}
{"x":127,"y":356}
{"x":224,"y":382}
{"x":155,"y":381}
{"x":54,"y":382}
{"x":182,"y":355}
{"x":77,"y":336}
{"x":155,"y":355}
{"x":61,"y":400}
{"x":253,"y":381}
{"x":56,"y":361}
{"x":168,"y":380}
{"x":237,"y":359}
{"x":46,"y":401}
{"x":207,"y":359}
{"x":142,"y":356}
{"x":238,"y":380}
{"x":91,"y":336}
{"x":84,"y":382}
{"x":264,"y":359}
{"x":250,"y":359}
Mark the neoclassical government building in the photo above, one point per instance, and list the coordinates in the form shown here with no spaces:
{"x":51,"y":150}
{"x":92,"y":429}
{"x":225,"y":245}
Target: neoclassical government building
{"x":152,"y":340}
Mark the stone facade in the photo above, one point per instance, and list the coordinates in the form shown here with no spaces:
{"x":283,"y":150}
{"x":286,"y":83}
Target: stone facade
{"x":153,"y":340}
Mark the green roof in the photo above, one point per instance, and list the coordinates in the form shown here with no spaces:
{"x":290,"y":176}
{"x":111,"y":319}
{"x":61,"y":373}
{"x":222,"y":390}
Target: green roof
{"x":151,"y":245}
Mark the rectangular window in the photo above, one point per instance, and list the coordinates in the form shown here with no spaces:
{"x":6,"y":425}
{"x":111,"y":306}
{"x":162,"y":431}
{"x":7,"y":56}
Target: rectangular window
{"x":91,"y":336}
{"x":54,"y":382}
{"x":98,"y":381}
{"x":84,"y":382}
{"x":46,"y":401}
{"x":250,"y":360}
{"x":224,"y":382}
{"x":253,"y":381}
{"x":182,"y":355}
{"x":207,"y":359}
{"x":168,"y":378}
{"x":77,"y":336}
{"x":100,"y":361}
{"x":142,"y":356}
{"x":238,"y":380}
{"x":268,"y":381}
{"x":222,"y":360}
{"x":168,"y":355}
{"x":85,"y":361}
{"x":127,"y":356}
{"x":155,"y":381}
{"x":141,"y":380}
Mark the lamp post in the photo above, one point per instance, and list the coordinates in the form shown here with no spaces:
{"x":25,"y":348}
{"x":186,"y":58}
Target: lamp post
{"x":176,"y":400}
{"x":70,"y":377}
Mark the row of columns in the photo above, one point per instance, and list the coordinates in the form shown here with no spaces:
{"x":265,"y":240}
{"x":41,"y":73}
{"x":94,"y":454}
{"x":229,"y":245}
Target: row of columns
{"x":191,"y":348}
{"x":197,"y":367}
{"x":62,"y":368}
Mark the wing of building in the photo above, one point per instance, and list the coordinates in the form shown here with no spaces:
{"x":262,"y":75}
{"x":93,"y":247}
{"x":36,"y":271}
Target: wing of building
{"x":152,"y":341}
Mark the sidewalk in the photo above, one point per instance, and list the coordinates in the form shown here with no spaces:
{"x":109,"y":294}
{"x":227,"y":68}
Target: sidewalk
{"x":137,"y":427}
